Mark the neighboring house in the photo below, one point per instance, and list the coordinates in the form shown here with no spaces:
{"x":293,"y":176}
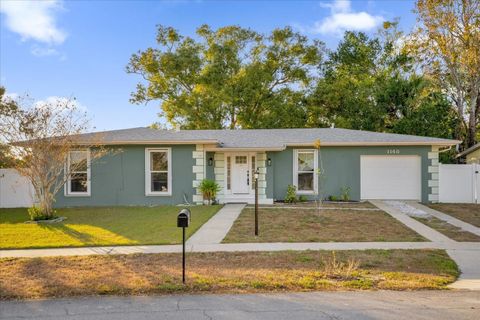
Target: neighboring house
{"x":165,"y":167}
{"x":472,"y":154}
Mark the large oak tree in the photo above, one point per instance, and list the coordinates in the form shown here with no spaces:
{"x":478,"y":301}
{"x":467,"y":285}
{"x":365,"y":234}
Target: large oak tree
{"x":228,"y":78}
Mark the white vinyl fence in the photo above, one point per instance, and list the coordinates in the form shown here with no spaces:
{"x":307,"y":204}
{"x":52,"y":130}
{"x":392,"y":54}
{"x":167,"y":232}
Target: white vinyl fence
{"x":15,"y":191}
{"x":459,"y":183}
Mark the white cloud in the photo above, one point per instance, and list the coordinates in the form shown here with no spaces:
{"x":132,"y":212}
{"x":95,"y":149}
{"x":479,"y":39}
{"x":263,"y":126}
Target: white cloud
{"x":44,"y":51}
{"x":342,"y":18}
{"x":34,"y":20}
{"x":61,"y":102}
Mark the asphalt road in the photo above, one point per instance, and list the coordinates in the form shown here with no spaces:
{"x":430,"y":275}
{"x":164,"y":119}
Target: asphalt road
{"x":298,"y":306}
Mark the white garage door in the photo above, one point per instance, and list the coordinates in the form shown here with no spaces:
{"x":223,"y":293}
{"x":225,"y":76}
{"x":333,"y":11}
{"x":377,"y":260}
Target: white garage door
{"x":390,"y":177}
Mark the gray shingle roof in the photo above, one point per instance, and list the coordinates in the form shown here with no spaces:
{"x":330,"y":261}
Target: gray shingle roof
{"x":262,"y":138}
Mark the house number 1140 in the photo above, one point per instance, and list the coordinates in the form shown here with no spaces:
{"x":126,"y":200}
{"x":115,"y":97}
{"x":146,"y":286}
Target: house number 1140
{"x":393,"y":151}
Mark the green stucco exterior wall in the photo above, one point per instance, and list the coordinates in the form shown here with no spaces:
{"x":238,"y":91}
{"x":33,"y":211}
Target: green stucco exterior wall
{"x":342,"y":168}
{"x":118,"y":179}
{"x":209,"y":174}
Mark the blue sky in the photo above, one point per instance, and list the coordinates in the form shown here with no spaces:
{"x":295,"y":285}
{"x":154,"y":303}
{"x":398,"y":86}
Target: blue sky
{"x":80,"y":48}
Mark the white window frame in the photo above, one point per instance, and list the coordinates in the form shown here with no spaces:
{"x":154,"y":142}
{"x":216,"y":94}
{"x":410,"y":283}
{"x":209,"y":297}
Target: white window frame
{"x":68,"y":187}
{"x":148,"y":176}
{"x":296,"y":172}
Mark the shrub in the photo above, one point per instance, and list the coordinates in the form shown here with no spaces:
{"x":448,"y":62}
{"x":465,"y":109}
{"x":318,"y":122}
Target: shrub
{"x":291,"y":196}
{"x":333,"y":198}
{"x":345,"y":193}
{"x":209,"y":189}
{"x":302,"y":198}
{"x":36,"y":214}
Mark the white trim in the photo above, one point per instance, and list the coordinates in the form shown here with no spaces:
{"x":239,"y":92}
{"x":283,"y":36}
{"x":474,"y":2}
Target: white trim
{"x":67,"y":186}
{"x":314,"y":173}
{"x":148,"y":176}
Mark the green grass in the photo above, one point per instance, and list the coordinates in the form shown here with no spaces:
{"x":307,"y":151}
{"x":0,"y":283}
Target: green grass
{"x":99,"y":226}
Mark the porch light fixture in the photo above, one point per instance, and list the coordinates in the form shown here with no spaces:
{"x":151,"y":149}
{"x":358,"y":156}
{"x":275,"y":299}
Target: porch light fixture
{"x":210,"y":161}
{"x":269,"y":162}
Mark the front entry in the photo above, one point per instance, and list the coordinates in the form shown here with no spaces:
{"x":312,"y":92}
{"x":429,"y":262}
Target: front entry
{"x":239,"y":168}
{"x":241,"y":175}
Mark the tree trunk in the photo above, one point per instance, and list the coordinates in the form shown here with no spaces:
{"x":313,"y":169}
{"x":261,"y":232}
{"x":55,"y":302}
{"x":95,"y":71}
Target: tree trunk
{"x":472,"y":122}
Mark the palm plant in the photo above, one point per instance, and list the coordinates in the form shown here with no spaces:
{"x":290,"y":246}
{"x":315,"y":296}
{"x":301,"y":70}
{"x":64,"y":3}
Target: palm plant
{"x":209,"y":189}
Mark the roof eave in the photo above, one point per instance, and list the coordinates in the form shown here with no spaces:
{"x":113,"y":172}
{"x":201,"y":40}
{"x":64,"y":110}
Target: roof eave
{"x":381,"y":143}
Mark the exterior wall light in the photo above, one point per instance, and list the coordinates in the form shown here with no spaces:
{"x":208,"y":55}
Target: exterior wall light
{"x":269,"y":162}
{"x":210,"y":161}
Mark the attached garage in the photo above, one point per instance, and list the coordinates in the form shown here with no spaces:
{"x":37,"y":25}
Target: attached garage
{"x":391,"y":177}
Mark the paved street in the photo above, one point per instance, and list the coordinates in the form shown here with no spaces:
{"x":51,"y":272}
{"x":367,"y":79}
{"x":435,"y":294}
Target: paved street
{"x":318,"y":305}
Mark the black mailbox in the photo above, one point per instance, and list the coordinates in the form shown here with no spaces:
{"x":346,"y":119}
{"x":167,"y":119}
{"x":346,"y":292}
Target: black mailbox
{"x":183,"y":218}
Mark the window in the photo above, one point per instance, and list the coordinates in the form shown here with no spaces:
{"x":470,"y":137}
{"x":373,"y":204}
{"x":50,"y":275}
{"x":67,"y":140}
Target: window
{"x":229,"y":172}
{"x":305,"y":165}
{"x":78,"y":168}
{"x":158,"y":177}
{"x":241,"y":159}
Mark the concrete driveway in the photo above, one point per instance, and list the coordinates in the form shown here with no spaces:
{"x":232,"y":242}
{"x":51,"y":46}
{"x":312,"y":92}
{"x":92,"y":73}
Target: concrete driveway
{"x":316,"y":305}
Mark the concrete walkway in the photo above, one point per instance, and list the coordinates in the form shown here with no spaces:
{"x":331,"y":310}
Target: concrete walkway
{"x":215,"y":229}
{"x":465,"y":254}
{"x":445,"y":217}
{"x":413,"y":224}
{"x":233,"y":247}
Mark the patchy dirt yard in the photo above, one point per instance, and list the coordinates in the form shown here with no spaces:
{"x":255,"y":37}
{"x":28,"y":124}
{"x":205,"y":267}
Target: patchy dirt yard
{"x":25,"y":278}
{"x":466,"y":212}
{"x":307,"y":225}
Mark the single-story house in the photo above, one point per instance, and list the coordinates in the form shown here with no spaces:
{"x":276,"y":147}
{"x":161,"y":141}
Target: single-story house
{"x":165,"y":166}
{"x":471,"y":155}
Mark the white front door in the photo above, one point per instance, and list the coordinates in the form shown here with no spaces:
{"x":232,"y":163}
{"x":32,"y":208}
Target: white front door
{"x":241,"y":176}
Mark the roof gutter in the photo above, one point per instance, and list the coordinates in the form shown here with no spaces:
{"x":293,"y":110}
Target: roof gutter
{"x":352,"y":144}
{"x":245,"y":149}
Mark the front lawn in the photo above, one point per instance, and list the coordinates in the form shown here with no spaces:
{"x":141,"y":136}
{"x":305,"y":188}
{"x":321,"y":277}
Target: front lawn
{"x":99,"y":226}
{"x":220,"y":272}
{"x":307,"y":225}
{"x":469,"y":213}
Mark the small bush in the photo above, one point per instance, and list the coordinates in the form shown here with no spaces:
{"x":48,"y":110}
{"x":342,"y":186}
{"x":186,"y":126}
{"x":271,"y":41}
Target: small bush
{"x":291,"y":196}
{"x":302,"y":198}
{"x":333,"y":198}
{"x":36,"y":214}
{"x":345,"y":191}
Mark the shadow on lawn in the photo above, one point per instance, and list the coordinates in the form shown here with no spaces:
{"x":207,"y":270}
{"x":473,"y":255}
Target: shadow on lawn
{"x":80,"y":236}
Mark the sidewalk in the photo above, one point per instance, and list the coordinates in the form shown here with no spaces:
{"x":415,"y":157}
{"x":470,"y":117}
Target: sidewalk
{"x":226,"y":247}
{"x":215,"y":229}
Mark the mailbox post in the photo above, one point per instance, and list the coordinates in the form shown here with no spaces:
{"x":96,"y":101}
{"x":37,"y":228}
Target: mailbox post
{"x":183,"y":220}
{"x":255,"y":175}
